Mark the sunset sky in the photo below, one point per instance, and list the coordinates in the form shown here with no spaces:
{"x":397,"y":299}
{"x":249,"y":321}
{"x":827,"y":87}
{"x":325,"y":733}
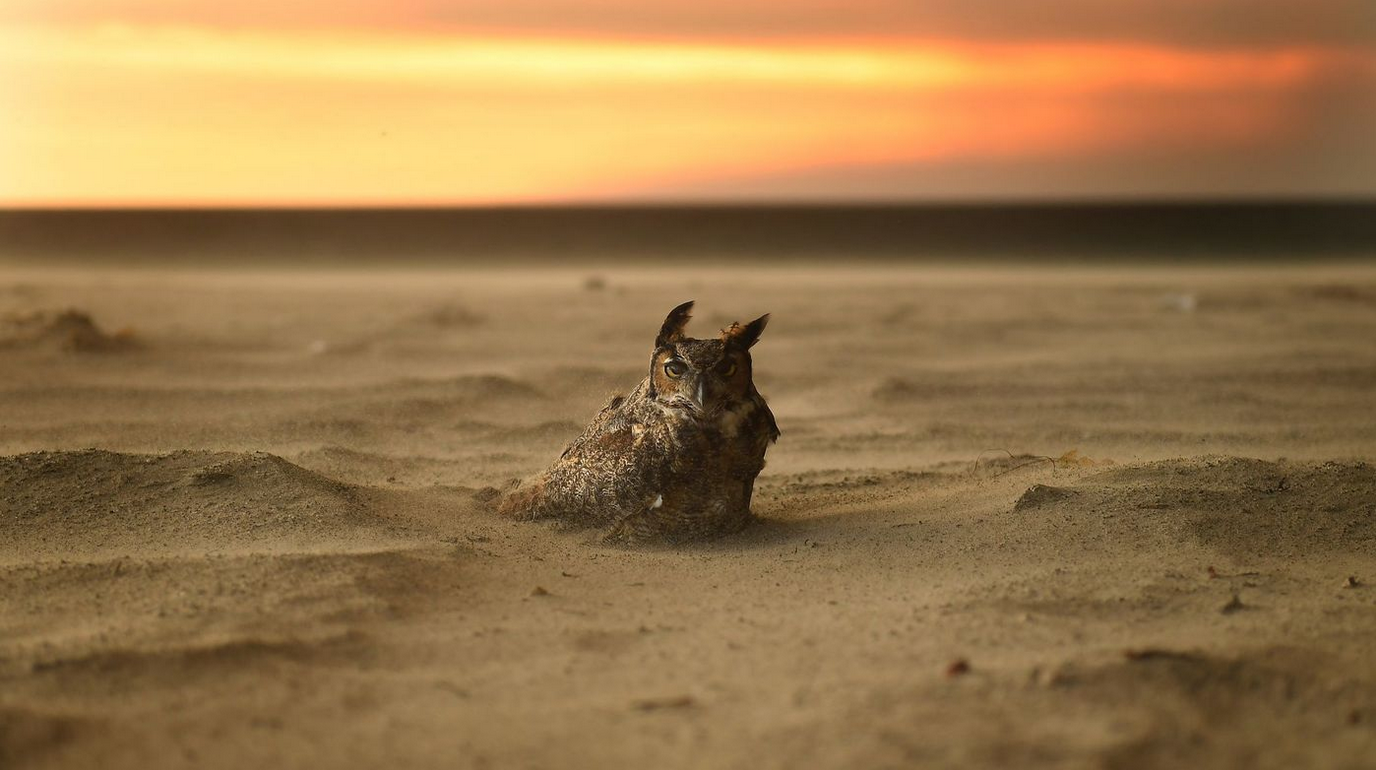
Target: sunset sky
{"x":422,"y":102}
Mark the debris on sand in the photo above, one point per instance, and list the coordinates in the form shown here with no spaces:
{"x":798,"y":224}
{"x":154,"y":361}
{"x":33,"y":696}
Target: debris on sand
{"x":897,"y":389}
{"x":69,"y":330}
{"x":1155,"y":653}
{"x":450,"y":316}
{"x":1234,"y":605}
{"x":1007,"y":462}
{"x":539,"y":591}
{"x":659,"y":704}
{"x":1214,"y":574}
{"x":1352,"y":582}
{"x":1342,"y":293}
{"x":957,"y":667}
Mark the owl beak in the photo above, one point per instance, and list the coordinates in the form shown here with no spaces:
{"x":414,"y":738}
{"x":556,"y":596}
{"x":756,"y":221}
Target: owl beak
{"x":700,"y":397}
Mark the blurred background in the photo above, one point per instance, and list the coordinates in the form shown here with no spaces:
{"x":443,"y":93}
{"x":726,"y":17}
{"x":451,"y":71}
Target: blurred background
{"x":493,"y":129}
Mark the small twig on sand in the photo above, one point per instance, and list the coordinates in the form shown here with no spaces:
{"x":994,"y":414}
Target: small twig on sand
{"x":974,"y":466}
{"x":1215,"y":574}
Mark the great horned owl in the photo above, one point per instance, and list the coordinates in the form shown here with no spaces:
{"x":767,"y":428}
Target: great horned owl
{"x":674,"y":460}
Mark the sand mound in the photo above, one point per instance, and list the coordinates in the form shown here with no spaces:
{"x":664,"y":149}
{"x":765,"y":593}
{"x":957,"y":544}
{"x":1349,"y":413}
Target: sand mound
{"x":92,"y":502}
{"x":1039,"y":495}
{"x":1240,"y":507}
{"x":1205,"y":710}
{"x":69,"y":330}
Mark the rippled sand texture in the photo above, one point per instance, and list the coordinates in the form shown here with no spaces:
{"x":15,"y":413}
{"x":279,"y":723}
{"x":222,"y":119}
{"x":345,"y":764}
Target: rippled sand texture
{"x":1111,"y":517}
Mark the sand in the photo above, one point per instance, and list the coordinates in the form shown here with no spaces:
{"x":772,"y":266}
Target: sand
{"x":1116,"y":517}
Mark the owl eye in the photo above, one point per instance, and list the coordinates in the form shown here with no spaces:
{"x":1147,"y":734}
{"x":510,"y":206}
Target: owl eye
{"x":726,"y":368}
{"x":675,"y":368}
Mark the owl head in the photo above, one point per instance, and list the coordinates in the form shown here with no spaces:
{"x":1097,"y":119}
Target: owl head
{"x":702,"y":376}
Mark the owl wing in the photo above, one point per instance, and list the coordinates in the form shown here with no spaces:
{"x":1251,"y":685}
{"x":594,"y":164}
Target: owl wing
{"x":610,"y":470}
{"x":601,"y":425}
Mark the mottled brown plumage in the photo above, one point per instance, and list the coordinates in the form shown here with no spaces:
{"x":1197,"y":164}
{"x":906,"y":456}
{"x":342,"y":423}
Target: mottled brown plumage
{"x":673,"y":460}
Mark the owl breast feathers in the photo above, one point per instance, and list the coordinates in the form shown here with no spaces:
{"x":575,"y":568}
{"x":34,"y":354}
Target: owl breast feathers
{"x":676,"y":458}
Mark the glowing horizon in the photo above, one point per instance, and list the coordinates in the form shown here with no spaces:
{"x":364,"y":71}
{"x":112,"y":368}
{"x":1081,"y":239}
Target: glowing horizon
{"x":129,"y":114}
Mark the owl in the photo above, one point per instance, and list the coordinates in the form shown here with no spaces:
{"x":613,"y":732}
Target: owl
{"x":676,"y":458}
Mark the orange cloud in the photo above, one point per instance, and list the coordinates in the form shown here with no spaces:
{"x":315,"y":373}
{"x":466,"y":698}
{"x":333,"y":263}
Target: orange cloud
{"x":190,"y":115}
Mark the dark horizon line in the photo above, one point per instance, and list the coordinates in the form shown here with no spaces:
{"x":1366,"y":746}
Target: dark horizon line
{"x":1119,"y":202}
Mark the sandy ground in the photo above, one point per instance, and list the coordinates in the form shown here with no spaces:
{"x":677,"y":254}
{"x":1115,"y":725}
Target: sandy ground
{"x":277,"y":553}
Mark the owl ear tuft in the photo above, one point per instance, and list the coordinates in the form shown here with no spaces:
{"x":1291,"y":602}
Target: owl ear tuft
{"x":745,"y":336}
{"x":672,"y":330}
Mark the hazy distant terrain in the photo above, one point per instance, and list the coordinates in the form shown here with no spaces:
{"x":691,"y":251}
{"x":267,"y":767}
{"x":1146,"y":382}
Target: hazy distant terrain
{"x":1098,"y":232}
{"x":1019,"y":517}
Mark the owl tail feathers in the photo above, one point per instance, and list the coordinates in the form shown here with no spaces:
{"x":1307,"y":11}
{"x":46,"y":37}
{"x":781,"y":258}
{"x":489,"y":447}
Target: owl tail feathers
{"x":523,"y":500}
